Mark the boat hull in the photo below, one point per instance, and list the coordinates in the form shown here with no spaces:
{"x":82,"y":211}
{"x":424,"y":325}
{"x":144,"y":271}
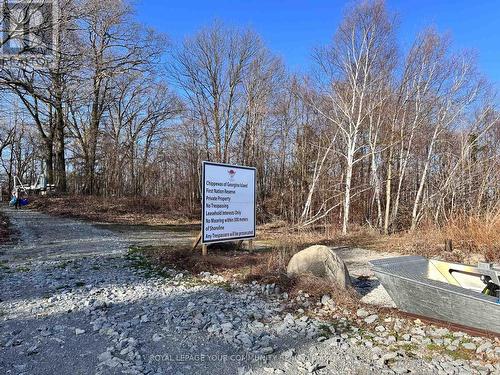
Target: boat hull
{"x":405,"y":281}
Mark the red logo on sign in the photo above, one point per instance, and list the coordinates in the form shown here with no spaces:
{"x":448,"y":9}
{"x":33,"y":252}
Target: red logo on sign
{"x":231,"y":172}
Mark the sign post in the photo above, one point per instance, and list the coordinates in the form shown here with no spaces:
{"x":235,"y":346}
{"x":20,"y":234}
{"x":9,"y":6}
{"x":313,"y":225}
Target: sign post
{"x":228,"y":203}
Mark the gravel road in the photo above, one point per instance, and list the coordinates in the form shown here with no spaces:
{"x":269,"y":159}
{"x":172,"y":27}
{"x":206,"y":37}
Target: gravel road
{"x":74,"y":301}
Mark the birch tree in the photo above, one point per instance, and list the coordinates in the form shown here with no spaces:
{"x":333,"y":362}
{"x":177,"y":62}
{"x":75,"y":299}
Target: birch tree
{"x":350,"y":68}
{"x":455,"y":88}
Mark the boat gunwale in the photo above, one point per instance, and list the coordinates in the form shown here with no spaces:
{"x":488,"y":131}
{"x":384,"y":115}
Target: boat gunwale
{"x":449,"y":288}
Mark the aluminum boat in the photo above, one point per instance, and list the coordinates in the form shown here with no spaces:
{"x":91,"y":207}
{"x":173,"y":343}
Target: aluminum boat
{"x":451,"y":292}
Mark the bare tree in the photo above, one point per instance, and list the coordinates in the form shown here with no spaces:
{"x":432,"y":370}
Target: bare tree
{"x":112,"y":44}
{"x":350,"y":71}
{"x":219,"y":71}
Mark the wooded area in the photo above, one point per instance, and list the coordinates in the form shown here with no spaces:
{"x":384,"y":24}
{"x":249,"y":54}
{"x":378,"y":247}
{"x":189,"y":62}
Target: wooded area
{"x":375,"y":135}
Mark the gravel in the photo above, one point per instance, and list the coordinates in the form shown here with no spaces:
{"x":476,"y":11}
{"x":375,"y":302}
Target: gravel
{"x":371,"y":319}
{"x":73,"y":302}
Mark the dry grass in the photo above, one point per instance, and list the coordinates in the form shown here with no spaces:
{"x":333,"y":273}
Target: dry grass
{"x":475,"y":235}
{"x":5,"y":229}
{"x":317,"y":287}
{"x":219,"y":261}
{"x":474,"y":238}
{"x":265,"y":267}
{"x":125,"y":210}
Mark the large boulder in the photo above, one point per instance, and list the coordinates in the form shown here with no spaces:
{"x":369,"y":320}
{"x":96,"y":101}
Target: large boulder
{"x":320,"y":261}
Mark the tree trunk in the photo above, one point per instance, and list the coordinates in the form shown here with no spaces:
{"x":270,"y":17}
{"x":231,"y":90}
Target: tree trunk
{"x":347,"y":194}
{"x":60,"y":162}
{"x":49,"y":160}
{"x":388,"y":188}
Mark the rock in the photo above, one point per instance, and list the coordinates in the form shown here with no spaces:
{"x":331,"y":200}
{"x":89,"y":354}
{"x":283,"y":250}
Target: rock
{"x":245,"y":339}
{"x":14,"y":342}
{"x":289,"y":319}
{"x":484,"y":346}
{"x":104,"y":357}
{"x":439,"y":342}
{"x":320,"y":261}
{"x":288,"y":354}
{"x":157,"y":337}
{"x":398,"y":325}
{"x":226,"y":327}
{"x":400,"y":370}
{"x":58,"y":328}
{"x":126,"y":350}
{"x":371,"y":319}
{"x":267,"y":350}
{"x":386,"y":358}
{"x":113,"y":362}
{"x":362,"y":313}
{"x":46,"y":333}
{"x":98,"y":305}
{"x":440,"y":332}
{"x":20,"y":368}
{"x":313,"y":368}
{"x":469,"y":346}
{"x":256,"y":324}
{"x":417,"y":331}
{"x":79,"y":331}
{"x":326,"y":299}
{"x":390,"y":340}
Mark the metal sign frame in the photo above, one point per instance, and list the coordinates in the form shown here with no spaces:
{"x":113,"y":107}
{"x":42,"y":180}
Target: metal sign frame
{"x":227,"y":239}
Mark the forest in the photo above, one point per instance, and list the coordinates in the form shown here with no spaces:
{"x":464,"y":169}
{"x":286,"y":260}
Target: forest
{"x":373,"y":135}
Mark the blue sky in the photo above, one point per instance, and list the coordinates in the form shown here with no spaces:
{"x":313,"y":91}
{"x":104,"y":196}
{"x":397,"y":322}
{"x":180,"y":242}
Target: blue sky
{"x":292,"y":28}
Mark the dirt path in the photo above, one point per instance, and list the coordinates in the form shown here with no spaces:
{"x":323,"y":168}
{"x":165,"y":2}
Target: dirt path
{"x":72,"y":302}
{"x":39,"y":237}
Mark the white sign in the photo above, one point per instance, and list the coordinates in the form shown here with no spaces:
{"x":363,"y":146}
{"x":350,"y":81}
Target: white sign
{"x":228,"y":205}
